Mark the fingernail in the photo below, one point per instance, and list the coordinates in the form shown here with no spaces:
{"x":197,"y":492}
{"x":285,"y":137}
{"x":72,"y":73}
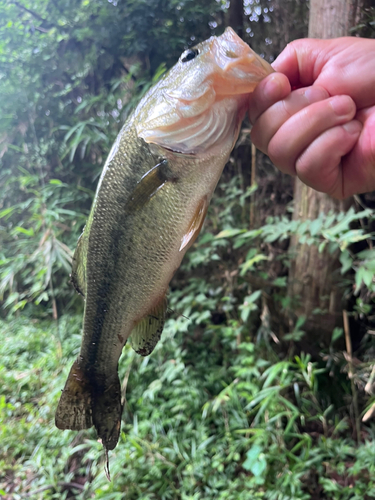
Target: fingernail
{"x":272,"y":88}
{"x":342,"y":105}
{"x":353,"y":128}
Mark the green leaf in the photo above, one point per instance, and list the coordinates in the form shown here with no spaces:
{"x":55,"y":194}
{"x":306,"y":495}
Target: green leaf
{"x":300,"y":322}
{"x":229,"y":233}
{"x":359,"y":277}
{"x":246,"y":266}
{"x":249,"y":305}
{"x":251,"y":234}
{"x":281,"y":282}
{"x":7,"y":211}
{"x":252,"y":457}
{"x":321,"y":247}
{"x":368,"y":277}
{"x":367,"y":254}
{"x":346,"y":261}
{"x":315,"y":226}
{"x":336,"y":334}
{"x":22,"y":230}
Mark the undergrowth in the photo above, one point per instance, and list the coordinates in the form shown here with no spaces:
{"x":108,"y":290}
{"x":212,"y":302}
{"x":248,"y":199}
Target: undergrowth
{"x":205,"y":417}
{"x":224,"y":408}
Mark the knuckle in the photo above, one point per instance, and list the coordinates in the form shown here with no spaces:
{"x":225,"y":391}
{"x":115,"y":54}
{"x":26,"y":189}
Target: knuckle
{"x":257,"y":139}
{"x":305,"y":167}
{"x":279,"y":156}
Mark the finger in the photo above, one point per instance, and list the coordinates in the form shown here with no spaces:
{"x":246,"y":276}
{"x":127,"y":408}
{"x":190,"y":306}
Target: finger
{"x":342,"y":66}
{"x":359,"y":165}
{"x":299,"y":60}
{"x":295,"y":135}
{"x":270,"y":90}
{"x":320,"y":165}
{"x":274,"y":117}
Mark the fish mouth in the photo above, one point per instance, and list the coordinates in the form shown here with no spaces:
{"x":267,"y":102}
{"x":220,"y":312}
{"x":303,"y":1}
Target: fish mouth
{"x":240,"y":69}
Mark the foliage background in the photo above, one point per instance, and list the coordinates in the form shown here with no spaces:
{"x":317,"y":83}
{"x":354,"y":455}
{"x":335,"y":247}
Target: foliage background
{"x":237,"y":401}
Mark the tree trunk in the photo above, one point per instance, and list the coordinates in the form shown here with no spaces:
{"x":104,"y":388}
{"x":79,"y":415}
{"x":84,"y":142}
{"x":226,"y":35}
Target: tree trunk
{"x":313,"y":275}
{"x":236,"y":16}
{"x":333,"y":18}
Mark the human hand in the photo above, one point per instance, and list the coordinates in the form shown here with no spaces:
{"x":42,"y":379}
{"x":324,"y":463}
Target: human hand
{"x":324,"y":131}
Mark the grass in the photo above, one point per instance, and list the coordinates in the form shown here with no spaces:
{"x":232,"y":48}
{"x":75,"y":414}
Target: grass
{"x":204,"y":418}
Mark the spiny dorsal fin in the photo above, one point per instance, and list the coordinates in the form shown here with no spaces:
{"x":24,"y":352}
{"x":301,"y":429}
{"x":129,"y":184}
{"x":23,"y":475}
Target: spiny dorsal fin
{"x":78,"y":276}
{"x":146,"y":334}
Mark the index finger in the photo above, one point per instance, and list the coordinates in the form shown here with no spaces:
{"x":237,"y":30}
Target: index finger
{"x":273,"y":88}
{"x":343,"y":66}
{"x":301,"y":61}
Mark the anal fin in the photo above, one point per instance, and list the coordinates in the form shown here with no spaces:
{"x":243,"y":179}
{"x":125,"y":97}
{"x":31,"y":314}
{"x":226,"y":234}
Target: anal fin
{"x":146,"y":334}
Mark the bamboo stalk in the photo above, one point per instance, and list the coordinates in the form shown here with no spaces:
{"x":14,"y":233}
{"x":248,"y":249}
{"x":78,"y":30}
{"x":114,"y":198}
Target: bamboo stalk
{"x":253,"y":181}
{"x":349,"y":351}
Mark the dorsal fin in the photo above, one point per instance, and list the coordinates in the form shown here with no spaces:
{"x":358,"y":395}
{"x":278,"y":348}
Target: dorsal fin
{"x":146,"y":334}
{"x":78,"y":276}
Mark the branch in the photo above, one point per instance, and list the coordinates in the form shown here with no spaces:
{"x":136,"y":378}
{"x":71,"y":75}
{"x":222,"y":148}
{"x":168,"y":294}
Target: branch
{"x":34,"y":14}
{"x":47,"y":24}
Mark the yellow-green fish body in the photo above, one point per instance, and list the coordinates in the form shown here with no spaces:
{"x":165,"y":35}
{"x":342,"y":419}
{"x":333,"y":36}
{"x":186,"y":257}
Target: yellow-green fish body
{"x":149,"y":207}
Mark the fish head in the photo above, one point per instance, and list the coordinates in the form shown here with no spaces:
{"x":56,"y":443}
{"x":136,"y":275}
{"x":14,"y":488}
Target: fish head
{"x":200,"y":103}
{"x":235,"y":68}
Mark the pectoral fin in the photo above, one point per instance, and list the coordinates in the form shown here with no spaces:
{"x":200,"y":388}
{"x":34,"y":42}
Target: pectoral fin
{"x":148,"y":186}
{"x":147,"y":332}
{"x":78,"y":276}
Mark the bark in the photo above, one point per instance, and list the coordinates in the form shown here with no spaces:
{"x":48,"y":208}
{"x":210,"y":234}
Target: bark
{"x":334,"y":18}
{"x":313,"y":275}
{"x":236,"y":16}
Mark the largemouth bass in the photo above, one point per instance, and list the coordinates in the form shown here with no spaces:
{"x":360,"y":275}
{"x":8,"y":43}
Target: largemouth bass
{"x":149,"y":207}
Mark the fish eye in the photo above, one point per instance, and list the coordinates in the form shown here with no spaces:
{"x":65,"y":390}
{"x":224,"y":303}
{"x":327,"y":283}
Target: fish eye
{"x":189,"y":54}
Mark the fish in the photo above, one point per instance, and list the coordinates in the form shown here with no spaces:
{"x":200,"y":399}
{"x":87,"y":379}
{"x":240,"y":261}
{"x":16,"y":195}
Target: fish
{"x":151,"y":200}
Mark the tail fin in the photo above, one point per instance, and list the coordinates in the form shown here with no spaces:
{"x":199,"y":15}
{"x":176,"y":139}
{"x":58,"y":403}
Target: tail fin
{"x":88,"y":401}
{"x":74,"y":410}
{"x":107,"y":411}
